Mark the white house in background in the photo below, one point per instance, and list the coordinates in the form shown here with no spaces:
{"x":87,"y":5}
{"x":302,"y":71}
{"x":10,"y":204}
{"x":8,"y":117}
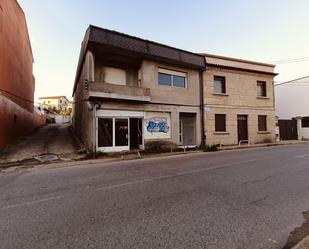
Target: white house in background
{"x":56,"y":103}
{"x":292,"y":100}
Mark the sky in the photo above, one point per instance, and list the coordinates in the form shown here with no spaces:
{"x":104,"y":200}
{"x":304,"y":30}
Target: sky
{"x":260,"y":30}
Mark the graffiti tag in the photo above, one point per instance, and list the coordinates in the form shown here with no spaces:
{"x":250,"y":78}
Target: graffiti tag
{"x":157,"y":125}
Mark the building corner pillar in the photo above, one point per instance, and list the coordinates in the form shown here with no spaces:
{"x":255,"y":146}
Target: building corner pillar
{"x":299,"y":128}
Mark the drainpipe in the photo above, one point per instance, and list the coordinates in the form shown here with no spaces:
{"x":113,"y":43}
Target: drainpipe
{"x":94,"y":146}
{"x":202,"y":106}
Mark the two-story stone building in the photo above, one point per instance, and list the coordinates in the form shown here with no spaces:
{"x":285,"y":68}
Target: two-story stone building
{"x":238,"y":101}
{"x":129,"y":92}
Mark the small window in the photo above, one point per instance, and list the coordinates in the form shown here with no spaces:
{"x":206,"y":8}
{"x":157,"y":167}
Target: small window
{"x":261,"y":88}
{"x":15,"y":119}
{"x":171,"y":78}
{"x":219,"y":84}
{"x":220,"y":122}
{"x":305,"y":122}
{"x":60,"y":101}
{"x":262,"y":122}
{"x":165,"y":79}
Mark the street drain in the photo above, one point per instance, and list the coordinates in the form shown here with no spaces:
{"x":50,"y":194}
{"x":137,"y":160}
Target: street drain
{"x":47,"y":157}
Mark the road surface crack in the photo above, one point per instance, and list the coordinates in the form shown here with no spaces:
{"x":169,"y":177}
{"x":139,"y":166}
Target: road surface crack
{"x":259,"y":200}
{"x":258,"y":180}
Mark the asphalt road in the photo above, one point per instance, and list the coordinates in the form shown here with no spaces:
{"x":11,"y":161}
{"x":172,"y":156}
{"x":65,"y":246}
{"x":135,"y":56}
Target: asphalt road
{"x":234,"y":199}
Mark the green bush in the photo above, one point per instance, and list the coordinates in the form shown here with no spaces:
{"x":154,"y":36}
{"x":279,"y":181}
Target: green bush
{"x":159,"y":146}
{"x":209,"y":148}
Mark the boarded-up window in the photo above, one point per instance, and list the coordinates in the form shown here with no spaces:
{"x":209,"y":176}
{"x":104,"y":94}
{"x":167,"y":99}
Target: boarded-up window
{"x":261,"y":88}
{"x":114,"y":76}
{"x":262,"y":122}
{"x":220,"y":122}
{"x":219,"y":84}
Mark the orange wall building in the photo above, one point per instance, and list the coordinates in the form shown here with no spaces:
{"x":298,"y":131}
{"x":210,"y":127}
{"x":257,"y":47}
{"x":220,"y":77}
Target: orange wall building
{"x":17,"y":83}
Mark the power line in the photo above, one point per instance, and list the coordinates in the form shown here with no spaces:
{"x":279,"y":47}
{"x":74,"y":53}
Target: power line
{"x":291,"y":81}
{"x":287,"y":61}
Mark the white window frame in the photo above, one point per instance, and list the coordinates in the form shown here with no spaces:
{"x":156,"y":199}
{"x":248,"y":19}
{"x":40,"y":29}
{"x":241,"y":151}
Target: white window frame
{"x":113,"y":148}
{"x":117,"y":114}
{"x":173,"y":73}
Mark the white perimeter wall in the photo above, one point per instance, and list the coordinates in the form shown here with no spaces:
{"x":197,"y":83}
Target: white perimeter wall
{"x":305,"y":133}
{"x":292,"y":100}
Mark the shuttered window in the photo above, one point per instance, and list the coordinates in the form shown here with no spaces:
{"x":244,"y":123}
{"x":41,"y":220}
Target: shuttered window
{"x":262,"y":122}
{"x":220,"y":122}
{"x":261,"y":88}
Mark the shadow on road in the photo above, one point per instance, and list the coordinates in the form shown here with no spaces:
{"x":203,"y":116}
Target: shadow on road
{"x":299,"y":233}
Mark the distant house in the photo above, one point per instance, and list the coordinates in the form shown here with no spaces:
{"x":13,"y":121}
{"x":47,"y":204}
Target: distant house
{"x":292,"y":104}
{"x":57,"y":109}
{"x":57,"y":104}
{"x":17,"y":83}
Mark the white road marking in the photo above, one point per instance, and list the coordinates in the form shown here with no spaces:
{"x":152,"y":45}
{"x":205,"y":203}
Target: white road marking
{"x":32,"y":202}
{"x":305,"y":156}
{"x":140,"y":181}
{"x":189,"y":172}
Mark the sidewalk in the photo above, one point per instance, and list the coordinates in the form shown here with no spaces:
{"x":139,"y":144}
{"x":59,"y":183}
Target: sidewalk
{"x":55,"y":143}
{"x":246,"y":146}
{"x":304,"y":244}
{"x":48,"y":142}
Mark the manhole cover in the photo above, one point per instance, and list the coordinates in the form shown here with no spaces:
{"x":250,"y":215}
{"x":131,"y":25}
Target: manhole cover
{"x":47,"y":157}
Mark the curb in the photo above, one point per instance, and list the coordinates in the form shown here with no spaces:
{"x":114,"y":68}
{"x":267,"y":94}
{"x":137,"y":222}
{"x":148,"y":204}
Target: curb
{"x":303,"y":244}
{"x":30,"y":163}
{"x":260,"y":145}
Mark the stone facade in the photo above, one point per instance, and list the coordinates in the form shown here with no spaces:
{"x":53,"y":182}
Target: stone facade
{"x":240,"y":99}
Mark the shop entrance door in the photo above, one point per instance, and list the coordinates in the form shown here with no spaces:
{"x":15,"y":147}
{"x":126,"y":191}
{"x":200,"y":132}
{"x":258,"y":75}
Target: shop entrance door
{"x":112,"y":134}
